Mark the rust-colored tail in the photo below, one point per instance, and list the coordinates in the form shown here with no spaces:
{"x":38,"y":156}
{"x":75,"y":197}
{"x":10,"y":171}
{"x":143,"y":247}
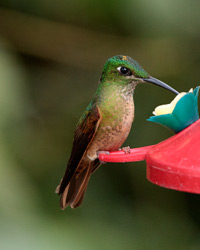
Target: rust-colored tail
{"x":73,"y":193}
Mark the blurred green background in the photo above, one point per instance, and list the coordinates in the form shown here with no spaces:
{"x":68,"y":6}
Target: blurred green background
{"x":51,"y":57}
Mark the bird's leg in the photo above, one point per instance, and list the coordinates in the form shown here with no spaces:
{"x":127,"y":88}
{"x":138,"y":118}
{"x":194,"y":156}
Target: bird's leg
{"x":102,"y":152}
{"x":126,"y":150}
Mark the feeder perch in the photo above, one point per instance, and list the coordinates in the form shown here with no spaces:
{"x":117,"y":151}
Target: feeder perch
{"x":173,"y":163}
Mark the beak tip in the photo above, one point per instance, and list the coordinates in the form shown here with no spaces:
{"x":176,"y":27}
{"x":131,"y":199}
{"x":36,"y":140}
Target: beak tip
{"x":157,"y":82}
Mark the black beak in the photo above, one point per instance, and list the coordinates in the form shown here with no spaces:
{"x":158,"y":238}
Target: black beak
{"x":160,"y":83}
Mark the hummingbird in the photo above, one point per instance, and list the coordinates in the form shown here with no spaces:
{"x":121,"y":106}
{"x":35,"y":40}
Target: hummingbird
{"x":104,"y":126}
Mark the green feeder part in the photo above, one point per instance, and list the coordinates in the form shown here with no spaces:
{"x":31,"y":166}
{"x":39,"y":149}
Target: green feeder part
{"x":183,"y":115}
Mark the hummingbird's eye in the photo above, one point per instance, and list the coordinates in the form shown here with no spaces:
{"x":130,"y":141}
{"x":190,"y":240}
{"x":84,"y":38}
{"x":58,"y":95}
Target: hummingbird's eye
{"x":124,"y":71}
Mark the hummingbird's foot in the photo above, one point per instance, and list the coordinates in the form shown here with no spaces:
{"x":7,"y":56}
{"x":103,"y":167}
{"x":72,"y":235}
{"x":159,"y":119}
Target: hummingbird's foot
{"x":127,"y":150}
{"x":102,"y":152}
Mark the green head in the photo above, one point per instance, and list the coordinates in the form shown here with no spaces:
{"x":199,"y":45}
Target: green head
{"x":124,"y":70}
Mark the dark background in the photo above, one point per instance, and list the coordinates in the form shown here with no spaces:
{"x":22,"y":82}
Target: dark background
{"x":51,"y":57}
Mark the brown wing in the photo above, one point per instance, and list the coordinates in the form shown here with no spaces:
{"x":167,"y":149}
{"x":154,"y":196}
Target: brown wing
{"x":83,"y":136}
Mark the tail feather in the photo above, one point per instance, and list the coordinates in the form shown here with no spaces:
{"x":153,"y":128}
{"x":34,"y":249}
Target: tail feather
{"x":74,"y":192}
{"x":78,"y":199}
{"x":78,"y":196}
{"x":63,"y":197}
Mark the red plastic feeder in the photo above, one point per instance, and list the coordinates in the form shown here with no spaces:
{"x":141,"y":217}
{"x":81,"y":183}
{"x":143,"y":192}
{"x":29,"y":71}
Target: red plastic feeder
{"x":173,"y":163}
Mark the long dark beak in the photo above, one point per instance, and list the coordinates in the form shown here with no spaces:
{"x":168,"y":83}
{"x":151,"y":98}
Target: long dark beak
{"x":160,"y":83}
